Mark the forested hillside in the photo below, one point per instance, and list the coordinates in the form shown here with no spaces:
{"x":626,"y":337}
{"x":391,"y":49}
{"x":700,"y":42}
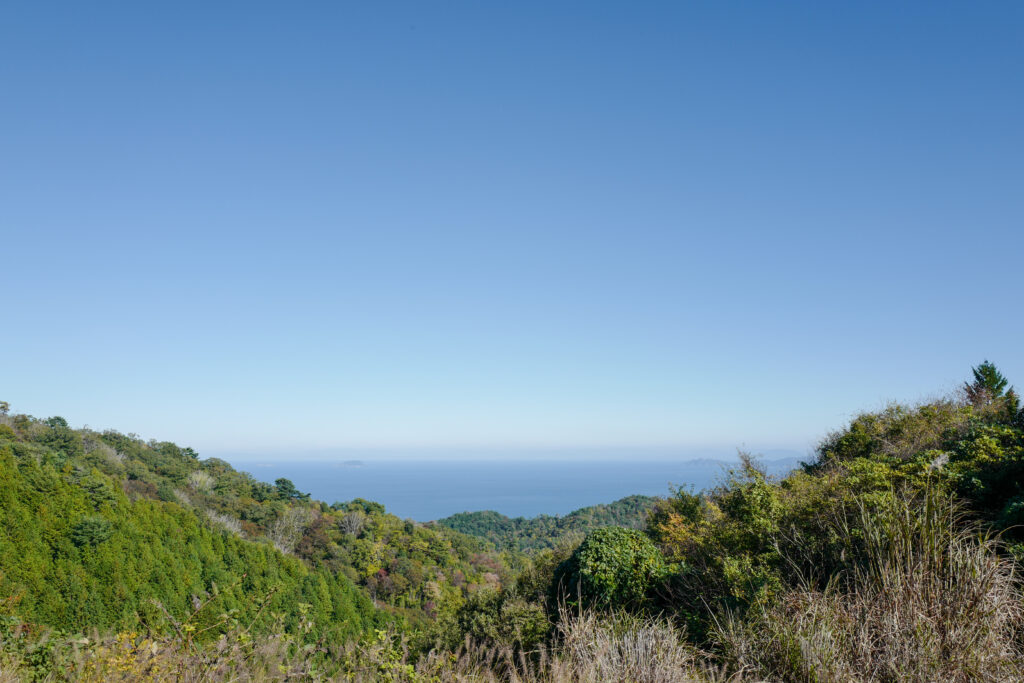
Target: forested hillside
{"x":106,"y":530}
{"x":548,"y":531}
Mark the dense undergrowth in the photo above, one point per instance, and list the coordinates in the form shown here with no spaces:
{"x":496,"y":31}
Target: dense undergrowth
{"x":892,"y":556}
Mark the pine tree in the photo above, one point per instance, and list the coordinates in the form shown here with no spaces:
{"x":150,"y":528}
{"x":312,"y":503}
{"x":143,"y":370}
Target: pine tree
{"x":989,"y":384}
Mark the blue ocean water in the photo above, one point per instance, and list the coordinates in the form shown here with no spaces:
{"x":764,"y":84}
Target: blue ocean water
{"x":428,"y":490}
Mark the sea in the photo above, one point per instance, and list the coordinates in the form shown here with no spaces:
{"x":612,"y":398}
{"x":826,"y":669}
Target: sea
{"x":425,"y":490}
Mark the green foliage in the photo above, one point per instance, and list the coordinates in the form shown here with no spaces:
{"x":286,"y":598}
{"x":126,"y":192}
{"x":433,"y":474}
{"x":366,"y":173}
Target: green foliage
{"x":62,"y":439}
{"x":85,"y":543}
{"x":419,"y":570}
{"x":286,"y":490}
{"x":547,"y":531}
{"x":896,"y":434}
{"x":721,"y":546}
{"x":500,"y":618}
{"x":91,"y":531}
{"x":98,"y":488}
{"x":165,"y":493}
{"x":988,"y":385}
{"x":613,"y":567}
{"x":740,"y":544}
{"x":94,"y":527}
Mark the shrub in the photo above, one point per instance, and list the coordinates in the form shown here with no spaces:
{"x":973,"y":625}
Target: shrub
{"x":722,"y":545}
{"x":898,"y":432}
{"x":498,"y":618}
{"x":165,"y":492}
{"x":613,"y":567}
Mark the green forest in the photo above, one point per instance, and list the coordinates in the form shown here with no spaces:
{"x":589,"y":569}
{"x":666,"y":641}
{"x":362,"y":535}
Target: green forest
{"x":549,"y":531}
{"x":100,"y":527}
{"x":892,"y":554}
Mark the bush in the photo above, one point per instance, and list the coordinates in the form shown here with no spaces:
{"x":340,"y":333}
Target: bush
{"x":723,"y":546}
{"x":613,"y":567}
{"x":500,"y":619}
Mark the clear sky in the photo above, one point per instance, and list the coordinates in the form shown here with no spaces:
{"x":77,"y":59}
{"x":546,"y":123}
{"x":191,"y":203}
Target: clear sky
{"x":293,"y":226}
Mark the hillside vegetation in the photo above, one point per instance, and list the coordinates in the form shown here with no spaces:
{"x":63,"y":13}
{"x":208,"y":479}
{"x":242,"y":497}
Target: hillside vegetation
{"x":104,"y":530}
{"x":894,"y":555}
{"x":549,"y":531}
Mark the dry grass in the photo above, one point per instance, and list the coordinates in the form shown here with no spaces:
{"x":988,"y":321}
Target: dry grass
{"x":619,"y":648}
{"x":592,"y":648}
{"x":201,"y":481}
{"x":130,"y":657}
{"x":226,"y":521}
{"x":934,"y":601}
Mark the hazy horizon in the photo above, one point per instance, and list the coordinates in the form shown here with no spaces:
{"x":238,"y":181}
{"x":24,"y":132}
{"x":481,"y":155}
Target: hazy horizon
{"x":341,"y":456}
{"x":432,"y":489}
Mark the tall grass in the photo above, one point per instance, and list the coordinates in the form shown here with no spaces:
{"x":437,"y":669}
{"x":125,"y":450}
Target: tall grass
{"x":931,"y":600}
{"x":592,"y":649}
{"x":596,"y":648}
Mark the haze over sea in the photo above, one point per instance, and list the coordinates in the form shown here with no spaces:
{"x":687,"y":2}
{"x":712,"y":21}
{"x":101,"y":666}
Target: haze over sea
{"x":429,"y":489}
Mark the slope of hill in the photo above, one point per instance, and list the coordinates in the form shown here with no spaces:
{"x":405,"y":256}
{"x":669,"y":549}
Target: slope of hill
{"x":79,"y":548}
{"x":547,"y":531}
{"x":106,"y":530}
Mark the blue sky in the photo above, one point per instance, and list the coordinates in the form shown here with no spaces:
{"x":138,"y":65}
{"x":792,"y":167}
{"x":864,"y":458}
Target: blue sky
{"x":509,"y":226}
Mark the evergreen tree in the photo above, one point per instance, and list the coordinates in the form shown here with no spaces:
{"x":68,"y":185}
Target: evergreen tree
{"x":989,"y":384}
